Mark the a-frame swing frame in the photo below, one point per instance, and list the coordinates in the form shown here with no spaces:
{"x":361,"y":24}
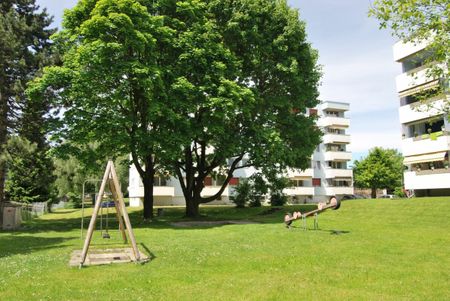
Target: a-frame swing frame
{"x":110,"y":178}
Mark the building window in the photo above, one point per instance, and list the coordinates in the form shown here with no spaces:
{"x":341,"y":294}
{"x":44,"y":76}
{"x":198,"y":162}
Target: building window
{"x":297,"y":183}
{"x":423,"y":129}
{"x":335,"y":147}
{"x":316,"y":182}
{"x":159,"y":181}
{"x":335,"y":131}
{"x":318,"y":164}
{"x":337,"y":165}
{"x":333,"y":114}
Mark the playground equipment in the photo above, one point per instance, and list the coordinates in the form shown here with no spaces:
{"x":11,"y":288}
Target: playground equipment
{"x":333,"y":203}
{"x":114,"y":255}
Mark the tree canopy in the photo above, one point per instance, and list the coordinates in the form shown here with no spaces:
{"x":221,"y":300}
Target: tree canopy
{"x":188,"y":87}
{"x":420,"y":20}
{"x":382,"y":168}
{"x":257,"y":118}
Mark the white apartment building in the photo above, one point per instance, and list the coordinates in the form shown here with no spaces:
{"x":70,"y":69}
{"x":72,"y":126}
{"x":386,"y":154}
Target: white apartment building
{"x":425,"y":128}
{"x":328,"y":175}
{"x":332,"y":177}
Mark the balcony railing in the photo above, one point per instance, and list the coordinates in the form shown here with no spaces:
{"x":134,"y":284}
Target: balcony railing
{"x":212,"y":190}
{"x":299,"y":191}
{"x":336,"y":138}
{"x":337,"y":155}
{"x":431,"y":136}
{"x":340,"y":173}
{"x":297,"y":173}
{"x":424,"y":145}
{"x":340,"y":122}
{"x":432,"y":171}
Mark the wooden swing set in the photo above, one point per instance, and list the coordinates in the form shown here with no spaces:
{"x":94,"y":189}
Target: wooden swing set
{"x":115,"y":255}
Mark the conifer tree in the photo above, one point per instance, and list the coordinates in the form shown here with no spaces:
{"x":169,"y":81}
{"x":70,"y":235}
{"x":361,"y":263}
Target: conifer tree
{"x":24,"y":49}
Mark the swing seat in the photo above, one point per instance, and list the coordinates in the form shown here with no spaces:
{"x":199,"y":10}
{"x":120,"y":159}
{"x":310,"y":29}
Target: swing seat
{"x":106,"y":235}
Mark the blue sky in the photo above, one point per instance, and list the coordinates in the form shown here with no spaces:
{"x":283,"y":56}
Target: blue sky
{"x":357,"y":63}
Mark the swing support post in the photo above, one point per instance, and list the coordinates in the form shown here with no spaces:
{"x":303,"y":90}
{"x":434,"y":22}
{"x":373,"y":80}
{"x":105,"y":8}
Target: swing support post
{"x":110,"y":177}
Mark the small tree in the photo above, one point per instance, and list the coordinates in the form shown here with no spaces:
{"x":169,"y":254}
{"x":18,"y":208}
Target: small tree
{"x":242,"y":193}
{"x":259,"y":190}
{"x":276,"y":186}
{"x":382,"y":168}
{"x":26,"y":183}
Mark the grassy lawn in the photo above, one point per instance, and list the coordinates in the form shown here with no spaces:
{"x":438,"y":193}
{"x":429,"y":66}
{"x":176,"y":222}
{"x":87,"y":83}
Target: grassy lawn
{"x":367,"y":250}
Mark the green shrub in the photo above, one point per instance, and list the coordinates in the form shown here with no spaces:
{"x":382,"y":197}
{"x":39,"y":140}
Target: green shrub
{"x":278,"y":199}
{"x":241,"y":194}
{"x":399,"y":192}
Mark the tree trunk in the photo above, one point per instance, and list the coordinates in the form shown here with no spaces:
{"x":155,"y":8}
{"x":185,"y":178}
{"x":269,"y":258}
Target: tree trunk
{"x":148,"y":181}
{"x":148,"y":199}
{"x":3,"y":139}
{"x":192,"y":208}
{"x":374,"y":193}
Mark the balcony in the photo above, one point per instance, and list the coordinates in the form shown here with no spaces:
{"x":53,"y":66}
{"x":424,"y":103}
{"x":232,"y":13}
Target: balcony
{"x":331,"y":173}
{"x":419,"y":111}
{"x":334,"y":105}
{"x":403,"y":50}
{"x":212,"y":190}
{"x":297,"y":173}
{"x":299,"y":191}
{"x":414,"y":78}
{"x":427,"y":179}
{"x":338,"y":190}
{"x":138,"y":192}
{"x":336,"y":138}
{"x":337,"y":156}
{"x":164,"y":191}
{"x":336,"y":122}
{"x":425,"y":144}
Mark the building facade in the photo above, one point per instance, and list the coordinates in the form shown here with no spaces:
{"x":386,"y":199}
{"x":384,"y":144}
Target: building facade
{"x":327,"y":176}
{"x":425,"y":126}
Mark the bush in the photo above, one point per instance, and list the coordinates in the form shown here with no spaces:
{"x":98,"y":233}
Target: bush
{"x":399,"y":192}
{"x":278,"y":199}
{"x":255,"y":201}
{"x":74,"y":199}
{"x":242,"y":194}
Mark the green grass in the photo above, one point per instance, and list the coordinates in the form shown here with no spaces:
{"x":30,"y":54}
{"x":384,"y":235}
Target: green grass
{"x":386,"y":250}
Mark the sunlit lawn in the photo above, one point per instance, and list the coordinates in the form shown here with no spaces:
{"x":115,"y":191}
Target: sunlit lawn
{"x":367,"y":250}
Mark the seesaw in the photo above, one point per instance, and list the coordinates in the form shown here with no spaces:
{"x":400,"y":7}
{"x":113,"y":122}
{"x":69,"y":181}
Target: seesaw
{"x":333,"y":203}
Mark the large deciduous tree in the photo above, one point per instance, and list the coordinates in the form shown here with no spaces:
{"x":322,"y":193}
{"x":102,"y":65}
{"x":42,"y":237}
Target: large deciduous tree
{"x":110,"y":84}
{"x":246,"y":97}
{"x":24,"y":46}
{"x":192,"y":87}
{"x":382,"y":168}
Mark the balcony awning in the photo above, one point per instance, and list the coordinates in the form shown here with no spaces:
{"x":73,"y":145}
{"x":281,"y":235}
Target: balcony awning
{"x":420,"y":88}
{"x":439,"y":156}
{"x":342,"y":178}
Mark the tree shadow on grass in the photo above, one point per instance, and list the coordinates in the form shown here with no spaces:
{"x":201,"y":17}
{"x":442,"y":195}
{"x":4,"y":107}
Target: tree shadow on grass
{"x":25,"y":244}
{"x":214,"y":217}
{"x":311,"y":228}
